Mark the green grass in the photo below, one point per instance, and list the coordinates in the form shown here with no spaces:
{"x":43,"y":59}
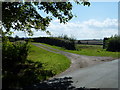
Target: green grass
{"x":51,"y":61}
{"x":0,"y":39}
{"x":94,"y":50}
{"x":89,"y":50}
{"x":52,"y":46}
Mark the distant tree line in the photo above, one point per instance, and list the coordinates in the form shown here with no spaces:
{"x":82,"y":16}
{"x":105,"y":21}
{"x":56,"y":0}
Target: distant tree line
{"x":67,"y":44}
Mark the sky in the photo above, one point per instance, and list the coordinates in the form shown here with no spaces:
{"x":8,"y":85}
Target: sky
{"x":95,"y":22}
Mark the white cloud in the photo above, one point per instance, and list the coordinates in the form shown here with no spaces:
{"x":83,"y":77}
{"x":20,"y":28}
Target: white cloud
{"x":91,"y":29}
{"x":103,"y":24}
{"x":87,"y":29}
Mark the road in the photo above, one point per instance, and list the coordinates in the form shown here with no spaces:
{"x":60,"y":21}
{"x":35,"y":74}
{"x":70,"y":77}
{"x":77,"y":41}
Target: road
{"x":89,"y":71}
{"x":98,"y":76}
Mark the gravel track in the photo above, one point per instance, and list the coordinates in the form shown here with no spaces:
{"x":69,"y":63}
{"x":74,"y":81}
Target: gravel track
{"x":77,"y":61}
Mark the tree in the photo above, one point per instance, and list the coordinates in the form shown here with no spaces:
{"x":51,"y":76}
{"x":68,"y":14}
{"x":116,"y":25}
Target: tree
{"x":25,"y":16}
{"x":16,"y":37}
{"x":113,"y":43}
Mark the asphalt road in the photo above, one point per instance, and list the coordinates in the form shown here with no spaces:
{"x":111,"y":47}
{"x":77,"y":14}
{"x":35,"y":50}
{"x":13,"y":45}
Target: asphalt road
{"x":103,"y":75}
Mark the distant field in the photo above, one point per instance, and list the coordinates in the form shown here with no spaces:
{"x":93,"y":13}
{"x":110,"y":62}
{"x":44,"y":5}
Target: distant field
{"x":91,"y":42}
{"x":90,"y":50}
{"x":94,"y":50}
{"x":51,"y":61}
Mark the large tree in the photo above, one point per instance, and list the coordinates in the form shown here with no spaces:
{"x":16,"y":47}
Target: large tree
{"x":25,"y":16}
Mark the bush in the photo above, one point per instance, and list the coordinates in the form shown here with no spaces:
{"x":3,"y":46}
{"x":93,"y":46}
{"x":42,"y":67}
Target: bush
{"x":17,"y":71}
{"x":113,"y":44}
{"x":13,"y":55}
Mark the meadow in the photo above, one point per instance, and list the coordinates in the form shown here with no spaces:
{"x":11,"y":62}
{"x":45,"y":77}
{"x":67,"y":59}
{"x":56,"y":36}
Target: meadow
{"x":89,"y":50}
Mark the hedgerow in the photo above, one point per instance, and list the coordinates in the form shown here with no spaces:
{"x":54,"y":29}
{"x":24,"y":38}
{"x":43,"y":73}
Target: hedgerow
{"x":113,"y":44}
{"x":67,"y":44}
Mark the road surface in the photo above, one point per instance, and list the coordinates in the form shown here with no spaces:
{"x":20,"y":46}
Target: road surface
{"x":98,"y":76}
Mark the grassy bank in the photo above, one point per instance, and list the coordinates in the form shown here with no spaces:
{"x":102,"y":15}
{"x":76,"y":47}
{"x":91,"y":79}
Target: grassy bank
{"x":90,"y":50}
{"x":51,"y":61}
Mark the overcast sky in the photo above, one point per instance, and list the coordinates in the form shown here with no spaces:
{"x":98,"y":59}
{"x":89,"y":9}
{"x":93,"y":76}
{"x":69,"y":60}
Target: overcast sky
{"x":95,"y":22}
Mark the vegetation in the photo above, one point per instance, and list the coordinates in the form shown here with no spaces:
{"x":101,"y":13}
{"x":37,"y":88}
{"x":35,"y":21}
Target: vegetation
{"x":0,"y":46}
{"x":17,"y":70}
{"x":51,"y":61}
{"x":24,"y":66}
{"x":61,"y":42}
{"x":65,"y":37}
{"x":25,"y":16}
{"x":113,"y":44}
{"x":14,"y":56}
{"x":95,"y":50}
{"x":89,"y":50}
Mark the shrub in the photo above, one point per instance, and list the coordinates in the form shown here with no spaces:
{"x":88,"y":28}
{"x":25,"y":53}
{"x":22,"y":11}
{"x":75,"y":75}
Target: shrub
{"x":17,"y":71}
{"x":113,"y":44}
{"x":13,"y":55}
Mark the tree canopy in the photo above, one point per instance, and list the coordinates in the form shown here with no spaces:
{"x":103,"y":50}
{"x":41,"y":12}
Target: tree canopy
{"x":23,"y":16}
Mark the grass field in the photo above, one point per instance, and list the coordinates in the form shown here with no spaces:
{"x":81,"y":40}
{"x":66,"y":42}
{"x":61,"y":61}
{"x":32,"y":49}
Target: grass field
{"x":90,"y":50}
{"x":51,"y":61}
{"x":94,"y":50}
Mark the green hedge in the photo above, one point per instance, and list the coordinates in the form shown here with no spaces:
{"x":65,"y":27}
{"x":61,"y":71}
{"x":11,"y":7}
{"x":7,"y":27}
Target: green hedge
{"x":67,"y":44}
{"x":113,"y":44}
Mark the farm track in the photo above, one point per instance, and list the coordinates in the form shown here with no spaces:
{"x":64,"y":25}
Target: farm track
{"x":77,"y":61}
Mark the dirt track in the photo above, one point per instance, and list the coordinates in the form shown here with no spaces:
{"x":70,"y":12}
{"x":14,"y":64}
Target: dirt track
{"x":77,"y":61}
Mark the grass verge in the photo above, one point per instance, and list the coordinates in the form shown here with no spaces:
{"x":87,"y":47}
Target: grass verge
{"x":51,"y":61}
{"x":89,"y":50}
